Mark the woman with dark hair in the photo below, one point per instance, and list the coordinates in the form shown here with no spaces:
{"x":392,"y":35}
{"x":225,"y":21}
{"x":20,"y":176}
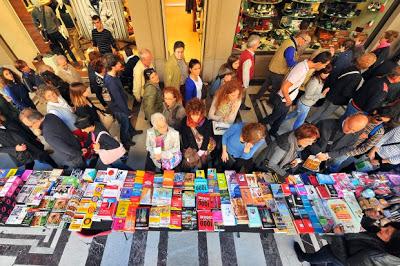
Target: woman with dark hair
{"x":15,"y":89}
{"x":93,"y":71}
{"x":239,"y":144}
{"x":226,"y":73}
{"x":193,"y":83}
{"x":173,"y":110}
{"x":63,"y":87}
{"x":176,"y":69}
{"x":196,"y":131}
{"x":313,"y":93}
{"x":152,"y":96}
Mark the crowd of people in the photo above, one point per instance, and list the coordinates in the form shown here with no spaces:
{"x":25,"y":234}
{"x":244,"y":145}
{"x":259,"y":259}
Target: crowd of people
{"x":185,"y":114}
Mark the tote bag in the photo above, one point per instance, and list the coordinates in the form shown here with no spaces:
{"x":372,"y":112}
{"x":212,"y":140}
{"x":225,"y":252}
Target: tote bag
{"x":110,"y":156}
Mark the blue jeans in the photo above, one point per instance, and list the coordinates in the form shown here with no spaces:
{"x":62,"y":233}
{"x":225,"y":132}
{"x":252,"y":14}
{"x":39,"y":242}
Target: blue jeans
{"x":350,"y":110}
{"x":120,"y":164}
{"x":301,"y":113}
{"x":341,"y":162}
{"x":126,"y":129}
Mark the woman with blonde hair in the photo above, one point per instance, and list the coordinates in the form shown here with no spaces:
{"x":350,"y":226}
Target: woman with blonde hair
{"x":226,"y":102}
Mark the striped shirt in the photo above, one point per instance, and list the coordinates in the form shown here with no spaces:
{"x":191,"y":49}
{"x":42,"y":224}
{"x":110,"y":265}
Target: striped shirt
{"x":103,"y":40}
{"x":390,"y":152}
{"x":365,"y":144}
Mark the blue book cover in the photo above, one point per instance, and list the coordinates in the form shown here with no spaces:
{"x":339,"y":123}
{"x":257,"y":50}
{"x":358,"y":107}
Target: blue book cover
{"x":136,"y":192}
{"x":254,"y":217}
{"x":234,"y":191}
{"x":212,"y":173}
{"x":325,"y":179}
{"x":200,"y":185}
{"x":277,"y":191}
{"x":138,"y":186}
{"x":126,"y":193}
{"x":213,"y":186}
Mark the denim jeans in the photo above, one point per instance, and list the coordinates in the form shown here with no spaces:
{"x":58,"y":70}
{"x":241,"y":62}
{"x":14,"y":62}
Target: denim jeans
{"x":341,"y":162}
{"x":301,"y":113}
{"x":120,"y":164}
{"x":126,"y":129}
{"x":323,"y":112}
{"x":350,"y":110}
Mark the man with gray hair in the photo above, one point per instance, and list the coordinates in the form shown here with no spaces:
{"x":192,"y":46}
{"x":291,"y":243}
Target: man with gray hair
{"x":283,"y":60}
{"x":66,"y":71}
{"x":245,"y":71}
{"x":146,"y":61}
{"x":66,"y":146}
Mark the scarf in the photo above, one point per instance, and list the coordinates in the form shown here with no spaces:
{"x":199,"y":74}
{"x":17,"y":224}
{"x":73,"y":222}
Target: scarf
{"x":192,"y":124}
{"x":382,"y":45}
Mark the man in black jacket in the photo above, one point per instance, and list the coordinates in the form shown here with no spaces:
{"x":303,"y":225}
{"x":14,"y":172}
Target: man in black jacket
{"x":22,"y":146}
{"x":127,"y":74}
{"x":65,"y":145}
{"x":375,"y":93}
{"x":337,"y":137}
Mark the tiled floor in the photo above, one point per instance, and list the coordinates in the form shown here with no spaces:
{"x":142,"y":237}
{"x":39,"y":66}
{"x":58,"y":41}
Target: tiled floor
{"x":37,"y":246}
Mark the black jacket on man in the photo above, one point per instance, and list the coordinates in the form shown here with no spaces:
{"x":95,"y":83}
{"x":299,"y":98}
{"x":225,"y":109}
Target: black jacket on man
{"x":188,"y":139}
{"x":331,"y":131}
{"x":65,"y":145}
{"x":344,"y":87}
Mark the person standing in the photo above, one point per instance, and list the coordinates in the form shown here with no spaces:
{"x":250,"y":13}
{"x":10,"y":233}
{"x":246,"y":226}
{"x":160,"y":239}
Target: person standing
{"x":45,"y":20}
{"x":29,"y":76}
{"x":130,"y":63}
{"x":284,"y":59}
{"x":176,"y":68}
{"x":66,"y":71}
{"x":14,"y":89}
{"x":245,"y":70}
{"x":65,"y":145}
{"x":102,"y":39}
{"x":387,"y":150}
{"x":194,"y":83}
{"x":119,"y":105}
{"x":283,"y":99}
{"x":152,"y":97}
{"x":146,"y":61}
{"x":173,"y":110}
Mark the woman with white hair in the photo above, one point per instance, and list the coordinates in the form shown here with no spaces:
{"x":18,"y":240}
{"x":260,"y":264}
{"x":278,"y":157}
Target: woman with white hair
{"x":163,"y":145}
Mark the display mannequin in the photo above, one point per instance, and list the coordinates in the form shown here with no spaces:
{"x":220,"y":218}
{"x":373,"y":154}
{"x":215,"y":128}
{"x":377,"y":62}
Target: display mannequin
{"x":97,"y":7}
{"x":45,"y":19}
{"x":65,"y":14}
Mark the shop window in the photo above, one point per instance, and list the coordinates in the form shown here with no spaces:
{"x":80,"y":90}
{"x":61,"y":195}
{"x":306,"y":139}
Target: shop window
{"x":328,"y":22}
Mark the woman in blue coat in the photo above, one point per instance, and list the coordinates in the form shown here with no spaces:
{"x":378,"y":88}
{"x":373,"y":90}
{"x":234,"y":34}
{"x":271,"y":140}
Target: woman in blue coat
{"x":193,"y":83}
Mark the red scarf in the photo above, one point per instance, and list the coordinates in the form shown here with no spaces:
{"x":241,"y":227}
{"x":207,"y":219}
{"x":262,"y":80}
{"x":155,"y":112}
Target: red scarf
{"x":193,"y":124}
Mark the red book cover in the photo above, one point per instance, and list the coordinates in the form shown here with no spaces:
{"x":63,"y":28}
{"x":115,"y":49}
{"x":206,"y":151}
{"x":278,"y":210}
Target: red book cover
{"x":203,"y":201}
{"x":301,"y":229}
{"x":107,"y":208}
{"x":148,"y":179}
{"x":242,"y":180}
{"x":129,"y":182}
{"x":313,"y":180}
{"x":176,"y":202}
{"x":323,"y":192}
{"x":168,"y":181}
{"x":175,"y":220}
{"x":308,"y":226}
{"x":246,"y":196}
{"x":205,"y":220}
{"x":286,"y":189}
{"x":215,"y":201}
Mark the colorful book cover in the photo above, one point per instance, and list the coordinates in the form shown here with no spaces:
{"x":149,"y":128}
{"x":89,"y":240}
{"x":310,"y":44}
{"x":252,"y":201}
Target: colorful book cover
{"x":231,"y":178}
{"x":246,"y":196}
{"x":89,"y":175}
{"x":218,"y":220}
{"x":54,"y":219}
{"x":176,"y":220}
{"x":107,"y":208}
{"x":168,"y":181}
{"x":30,"y":213}
{"x":228,"y":216}
{"x":200,"y":185}
{"x":154,"y":217}
{"x":225,"y":198}
{"x":24,"y":193}
{"x":301,"y":190}
{"x":145,"y":198}
{"x":127,"y":193}
{"x":76,"y":222}
{"x":277,"y":190}
{"x":205,"y":220}
{"x":342,"y":215}
{"x":111,"y":191}
{"x":188,"y":182}
{"x":352,"y":202}
{"x":268,"y":178}
{"x":189,"y":219}
{"x":17,"y":215}
{"x":215,"y":201}
{"x":122,"y":209}
{"x":322,"y":192}
{"x":254,"y":217}
{"x":222,"y":181}
{"x":234,"y":190}
{"x":213,"y":186}
{"x":200,"y":174}
{"x":152,"y":180}
{"x":118,"y":224}
{"x":179,"y":179}
{"x":47,"y":203}
{"x":212,"y":174}
{"x":39,"y":219}
{"x":188,"y":199}
{"x":60,"y":205}
{"x":142,"y":218}
{"x":325,"y":179}
{"x":130,"y":219}
{"x":256,"y":194}
{"x":266,"y":218}
{"x":4,"y":172}
{"x":25,"y":176}
{"x":240,"y":210}
{"x":101,"y":176}
{"x":242,"y":180}
{"x":251,"y":180}
{"x":265,"y":191}
{"x":176,"y":202}
{"x":161,"y":196}
{"x":165,"y":216}
{"x":311,"y":192}
{"x":203,"y":201}
{"x":312,"y":164}
{"x":286,"y":189}
{"x":332,"y":191}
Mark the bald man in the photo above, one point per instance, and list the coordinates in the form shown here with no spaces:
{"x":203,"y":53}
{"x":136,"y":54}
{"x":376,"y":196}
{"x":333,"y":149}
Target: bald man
{"x":336,"y":137}
{"x":146,"y":61}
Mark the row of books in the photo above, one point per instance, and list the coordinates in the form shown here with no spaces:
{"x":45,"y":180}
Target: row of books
{"x":204,"y":201}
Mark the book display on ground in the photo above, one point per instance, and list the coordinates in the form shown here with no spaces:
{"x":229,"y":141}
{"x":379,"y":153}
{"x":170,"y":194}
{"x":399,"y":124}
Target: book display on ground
{"x":207,"y":201}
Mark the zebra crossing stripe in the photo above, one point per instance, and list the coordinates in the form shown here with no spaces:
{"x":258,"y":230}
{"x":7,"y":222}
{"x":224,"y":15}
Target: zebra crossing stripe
{"x":271,"y":252}
{"x":162,"y":249}
{"x":228,"y":251}
{"x":249,"y":249}
{"x":202,"y":248}
{"x":96,"y":250}
{"x":213,"y":249}
{"x":138,"y":248}
{"x":183,"y":248}
{"x":308,"y":244}
{"x":75,"y":244}
{"x":150,"y":257}
{"x":117,"y":249}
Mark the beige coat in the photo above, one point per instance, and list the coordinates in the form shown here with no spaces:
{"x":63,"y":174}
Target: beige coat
{"x":138,"y":80}
{"x":172,"y":73}
{"x":69,"y":75}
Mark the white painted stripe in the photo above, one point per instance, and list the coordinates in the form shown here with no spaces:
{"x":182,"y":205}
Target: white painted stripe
{"x":7,"y":260}
{"x":151,"y":255}
{"x":213,"y":249}
{"x":25,"y":230}
{"x":117,"y":249}
{"x":261,"y":108}
{"x":182,"y":248}
{"x":285,"y":247}
{"x":267,"y":108}
{"x":249,"y":250}
{"x":76,"y":250}
{"x":314,"y":242}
